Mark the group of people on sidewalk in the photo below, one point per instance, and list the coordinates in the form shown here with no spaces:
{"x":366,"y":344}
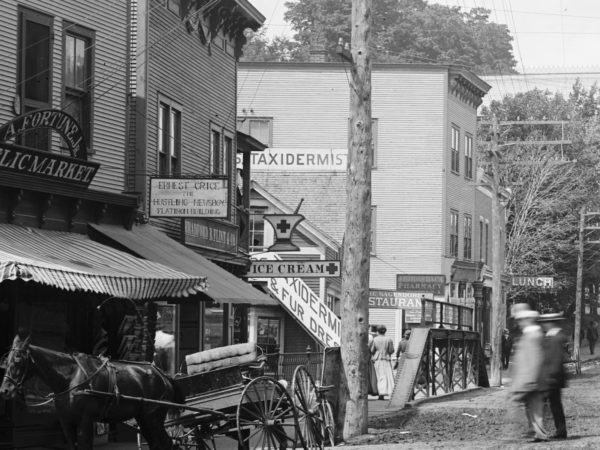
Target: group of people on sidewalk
{"x":538,"y":372}
{"x":381,"y":347}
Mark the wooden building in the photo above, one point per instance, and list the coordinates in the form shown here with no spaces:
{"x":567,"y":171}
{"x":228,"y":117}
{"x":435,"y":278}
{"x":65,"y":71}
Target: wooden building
{"x":425,"y":189}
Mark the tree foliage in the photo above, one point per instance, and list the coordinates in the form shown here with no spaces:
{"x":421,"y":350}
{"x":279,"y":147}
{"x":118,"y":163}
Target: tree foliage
{"x":547,"y":183}
{"x":403,"y":31}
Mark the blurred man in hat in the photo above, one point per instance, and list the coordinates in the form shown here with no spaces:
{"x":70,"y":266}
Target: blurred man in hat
{"x":507,"y":344}
{"x":554,"y":376}
{"x":526,"y":388}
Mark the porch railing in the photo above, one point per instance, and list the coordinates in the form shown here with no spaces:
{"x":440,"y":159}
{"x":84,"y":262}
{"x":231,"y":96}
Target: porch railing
{"x":446,"y":315}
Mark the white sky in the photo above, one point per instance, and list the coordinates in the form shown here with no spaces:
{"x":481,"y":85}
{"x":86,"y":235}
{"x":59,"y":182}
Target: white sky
{"x":548,"y":34}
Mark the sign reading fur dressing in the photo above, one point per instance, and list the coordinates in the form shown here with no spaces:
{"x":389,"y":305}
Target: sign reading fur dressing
{"x":300,"y":301}
{"x":298,"y":159}
{"x":189,"y":197}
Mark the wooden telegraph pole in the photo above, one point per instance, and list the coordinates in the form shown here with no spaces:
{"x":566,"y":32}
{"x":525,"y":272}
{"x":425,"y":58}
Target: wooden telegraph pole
{"x":357,"y":239}
{"x":578,"y":289}
{"x":498,"y":310}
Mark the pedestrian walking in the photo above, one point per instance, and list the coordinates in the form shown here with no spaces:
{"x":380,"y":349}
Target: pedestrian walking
{"x":372,"y":372}
{"x":507,"y":345}
{"x":592,"y":335}
{"x":382,"y":351}
{"x":554,"y":376}
{"x":402,"y":346}
{"x":526,"y":389}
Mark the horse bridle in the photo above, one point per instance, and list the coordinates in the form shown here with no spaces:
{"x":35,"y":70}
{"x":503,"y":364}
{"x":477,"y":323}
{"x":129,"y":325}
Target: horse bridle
{"x":18,"y":384}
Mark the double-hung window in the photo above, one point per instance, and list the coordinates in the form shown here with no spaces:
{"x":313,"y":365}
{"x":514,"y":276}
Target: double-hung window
{"x":169,"y":138}
{"x":453,"y":233}
{"x":469,"y":156}
{"x":77,"y":76}
{"x":34,"y":73}
{"x":221,"y":146}
{"x":257,"y":229}
{"x":467,"y":237}
{"x":455,"y":149}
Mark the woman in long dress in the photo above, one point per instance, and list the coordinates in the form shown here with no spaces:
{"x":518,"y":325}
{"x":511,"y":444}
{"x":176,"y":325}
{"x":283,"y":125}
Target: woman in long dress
{"x":382,"y":350}
{"x":372,"y":373}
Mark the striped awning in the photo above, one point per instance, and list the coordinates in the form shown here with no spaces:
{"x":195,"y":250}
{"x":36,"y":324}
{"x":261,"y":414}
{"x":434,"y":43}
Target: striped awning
{"x":74,"y":262}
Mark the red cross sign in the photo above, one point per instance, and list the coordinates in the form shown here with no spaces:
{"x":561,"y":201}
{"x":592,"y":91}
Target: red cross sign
{"x":283,"y":225}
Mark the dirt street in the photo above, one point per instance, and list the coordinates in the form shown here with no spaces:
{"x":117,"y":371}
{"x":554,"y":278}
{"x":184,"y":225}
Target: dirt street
{"x":482,"y":419}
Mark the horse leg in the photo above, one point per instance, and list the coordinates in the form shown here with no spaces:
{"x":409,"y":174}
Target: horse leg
{"x":70,"y":432}
{"x":152,"y":427}
{"x":85,"y":433}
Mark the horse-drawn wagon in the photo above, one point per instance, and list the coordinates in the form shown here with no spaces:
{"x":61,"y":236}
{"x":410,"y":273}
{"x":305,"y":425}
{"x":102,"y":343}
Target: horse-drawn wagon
{"x":224,"y":393}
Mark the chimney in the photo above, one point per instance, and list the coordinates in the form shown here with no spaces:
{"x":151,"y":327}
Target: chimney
{"x":318,"y":54}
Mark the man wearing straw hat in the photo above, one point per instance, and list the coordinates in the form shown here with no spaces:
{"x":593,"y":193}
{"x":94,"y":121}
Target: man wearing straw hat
{"x":553,"y":371}
{"x":527,"y":370}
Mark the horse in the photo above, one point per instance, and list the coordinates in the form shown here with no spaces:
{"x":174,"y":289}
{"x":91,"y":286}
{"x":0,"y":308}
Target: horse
{"x":118,"y":391}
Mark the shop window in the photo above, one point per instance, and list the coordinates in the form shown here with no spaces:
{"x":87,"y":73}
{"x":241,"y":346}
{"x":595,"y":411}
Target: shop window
{"x":469,"y":156}
{"x":164,"y":339}
{"x":34,"y":74}
{"x":455,"y":149}
{"x":467,"y":237}
{"x":260,"y":128}
{"x":257,"y":229}
{"x":169,"y":138}
{"x":453,"y":233}
{"x":269,"y":332}
{"x":77,"y":76}
{"x":213,"y":326}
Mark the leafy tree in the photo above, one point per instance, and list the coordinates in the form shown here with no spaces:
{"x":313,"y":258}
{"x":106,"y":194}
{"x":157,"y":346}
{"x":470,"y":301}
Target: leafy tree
{"x":547,"y":184}
{"x":405,"y":31}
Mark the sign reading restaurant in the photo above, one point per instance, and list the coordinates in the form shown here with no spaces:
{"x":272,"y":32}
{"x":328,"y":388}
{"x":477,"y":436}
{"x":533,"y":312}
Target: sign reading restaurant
{"x":432,"y":284}
{"x":294,"y":268}
{"x":189,"y":197}
{"x":211,"y":234}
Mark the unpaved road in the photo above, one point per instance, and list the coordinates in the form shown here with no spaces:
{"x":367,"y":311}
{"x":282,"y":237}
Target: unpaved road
{"x":483,"y":420}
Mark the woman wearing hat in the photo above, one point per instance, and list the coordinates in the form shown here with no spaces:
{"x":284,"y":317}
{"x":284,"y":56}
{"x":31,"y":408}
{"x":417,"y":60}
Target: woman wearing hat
{"x":526,"y":389}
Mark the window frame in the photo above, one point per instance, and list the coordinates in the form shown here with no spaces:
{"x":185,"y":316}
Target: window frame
{"x":256,"y":211}
{"x":468,"y":156}
{"x":164,"y":141}
{"x":86,"y":96}
{"x":218,"y":159}
{"x":455,"y":149}
{"x":29,"y":104}
{"x":467,"y":237}
{"x":454,"y":232}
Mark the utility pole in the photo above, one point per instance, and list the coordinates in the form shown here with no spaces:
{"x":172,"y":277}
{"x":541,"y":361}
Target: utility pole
{"x":357,"y":239}
{"x":578,"y":290}
{"x":498,"y":310}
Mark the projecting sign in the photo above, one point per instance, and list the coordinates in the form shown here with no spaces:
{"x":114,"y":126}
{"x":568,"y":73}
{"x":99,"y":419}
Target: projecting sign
{"x":189,"y":197}
{"x":308,"y":309}
{"x":433,"y":284}
{"x":293,"y":268}
{"x":298,"y":159}
{"x":539,"y":282}
{"x":409,"y":302}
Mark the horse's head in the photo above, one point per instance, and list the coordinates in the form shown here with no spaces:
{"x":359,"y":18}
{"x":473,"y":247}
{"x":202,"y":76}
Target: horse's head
{"x":16,"y":365}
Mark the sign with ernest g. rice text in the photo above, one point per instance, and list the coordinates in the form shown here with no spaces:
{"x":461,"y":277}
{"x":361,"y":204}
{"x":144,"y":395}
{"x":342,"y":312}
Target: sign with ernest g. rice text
{"x":189,"y":197}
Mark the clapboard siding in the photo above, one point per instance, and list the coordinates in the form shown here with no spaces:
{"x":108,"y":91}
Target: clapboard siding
{"x":200,"y":78}
{"x":309,"y":106}
{"x":108,"y":20}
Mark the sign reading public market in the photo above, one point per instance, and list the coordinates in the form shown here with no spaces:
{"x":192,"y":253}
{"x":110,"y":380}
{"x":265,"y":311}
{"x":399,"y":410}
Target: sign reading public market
{"x":294,"y":268}
{"x":189,"y":197}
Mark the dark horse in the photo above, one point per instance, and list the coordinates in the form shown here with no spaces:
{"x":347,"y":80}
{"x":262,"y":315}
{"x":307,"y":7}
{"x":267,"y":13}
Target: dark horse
{"x":70,"y":375}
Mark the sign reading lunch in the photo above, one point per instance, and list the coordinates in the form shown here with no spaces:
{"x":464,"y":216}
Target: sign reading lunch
{"x":298,"y":159}
{"x":189,"y":197}
{"x":300,"y":301}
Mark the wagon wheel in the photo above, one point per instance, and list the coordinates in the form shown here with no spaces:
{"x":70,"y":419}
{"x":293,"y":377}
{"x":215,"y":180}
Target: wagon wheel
{"x":310,"y":414}
{"x":328,"y":424}
{"x":266,"y":416}
{"x":188,"y":436}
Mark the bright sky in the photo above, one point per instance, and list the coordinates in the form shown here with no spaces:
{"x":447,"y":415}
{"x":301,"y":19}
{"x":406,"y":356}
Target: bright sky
{"x":548,"y":34}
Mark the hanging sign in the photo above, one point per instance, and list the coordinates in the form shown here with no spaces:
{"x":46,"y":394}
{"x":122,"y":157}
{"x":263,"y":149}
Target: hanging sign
{"x":294,"y":268}
{"x":189,"y":197}
{"x":284,"y":225}
{"x":535,"y":281}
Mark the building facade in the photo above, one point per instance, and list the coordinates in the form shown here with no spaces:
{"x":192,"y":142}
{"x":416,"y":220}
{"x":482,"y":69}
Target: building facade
{"x":426,"y":200}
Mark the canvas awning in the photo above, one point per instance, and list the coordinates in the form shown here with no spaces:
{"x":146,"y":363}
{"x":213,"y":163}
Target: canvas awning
{"x":74,"y":262}
{"x":149,"y":242}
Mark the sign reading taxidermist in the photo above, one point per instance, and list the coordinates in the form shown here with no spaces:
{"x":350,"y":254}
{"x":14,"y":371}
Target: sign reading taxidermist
{"x":189,"y":197}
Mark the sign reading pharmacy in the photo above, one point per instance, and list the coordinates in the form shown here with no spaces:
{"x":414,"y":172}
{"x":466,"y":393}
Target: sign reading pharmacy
{"x":308,"y":309}
{"x":189,"y":197}
{"x":293,"y":268}
{"x":432,"y":284}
